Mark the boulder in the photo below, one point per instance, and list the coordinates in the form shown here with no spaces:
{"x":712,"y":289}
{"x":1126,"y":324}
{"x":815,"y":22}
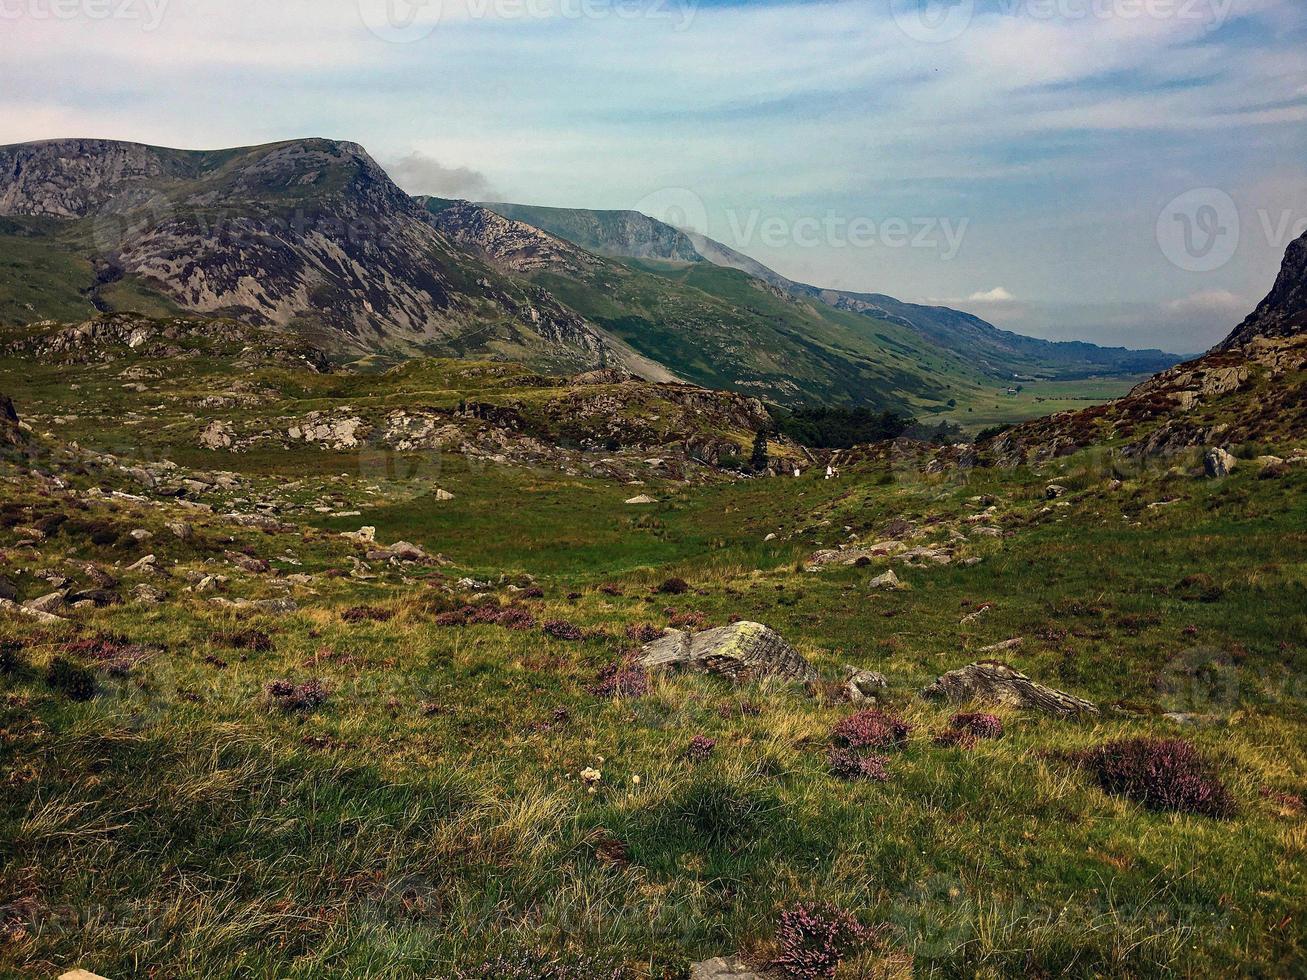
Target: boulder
{"x":444,"y":495}
{"x":994,"y":682}
{"x":41,"y":617}
{"x":887,"y":581}
{"x":217,"y":435}
{"x":1054,"y":490}
{"x":741,"y":651}
{"x":864,"y":685}
{"x":1217,"y":463}
{"x":54,"y":602}
{"x":643,"y":498}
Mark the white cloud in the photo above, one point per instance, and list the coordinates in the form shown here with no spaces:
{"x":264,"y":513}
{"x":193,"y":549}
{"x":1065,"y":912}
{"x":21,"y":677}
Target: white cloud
{"x":996,"y":295}
{"x":1219,"y":301}
{"x":419,"y":173}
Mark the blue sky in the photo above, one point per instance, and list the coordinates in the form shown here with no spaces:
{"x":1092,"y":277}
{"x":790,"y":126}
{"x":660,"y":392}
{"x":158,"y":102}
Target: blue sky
{"x":1123,"y":171}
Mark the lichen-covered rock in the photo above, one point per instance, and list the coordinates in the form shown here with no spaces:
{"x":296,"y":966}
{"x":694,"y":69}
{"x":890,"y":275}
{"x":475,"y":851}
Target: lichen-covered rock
{"x":741,"y":651}
{"x":993,"y":682}
{"x":864,"y":685}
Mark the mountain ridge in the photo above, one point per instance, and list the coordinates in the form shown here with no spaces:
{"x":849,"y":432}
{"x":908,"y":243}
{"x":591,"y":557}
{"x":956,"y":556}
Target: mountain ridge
{"x":999,"y":349}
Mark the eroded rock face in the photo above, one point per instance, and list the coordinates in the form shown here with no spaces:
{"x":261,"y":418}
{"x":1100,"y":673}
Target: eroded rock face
{"x":741,"y":651}
{"x":994,"y":682}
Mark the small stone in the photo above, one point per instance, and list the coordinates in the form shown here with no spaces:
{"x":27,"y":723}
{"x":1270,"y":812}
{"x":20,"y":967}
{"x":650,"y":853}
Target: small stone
{"x":1054,"y":490}
{"x":643,"y":498}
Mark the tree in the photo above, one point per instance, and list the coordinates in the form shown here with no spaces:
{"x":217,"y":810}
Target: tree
{"x":758,"y":461}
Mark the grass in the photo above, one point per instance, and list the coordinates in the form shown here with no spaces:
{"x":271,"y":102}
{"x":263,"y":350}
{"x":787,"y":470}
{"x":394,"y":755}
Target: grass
{"x":430,"y":814}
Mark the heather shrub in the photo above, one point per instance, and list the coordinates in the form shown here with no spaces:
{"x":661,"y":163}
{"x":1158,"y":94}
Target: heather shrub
{"x":561,"y":629}
{"x":1162,"y":774}
{"x":255,"y":641}
{"x":72,"y":680}
{"x":700,"y":748}
{"x":967,"y":728}
{"x":815,"y":939}
{"x":621,"y":679}
{"x":852,"y":765}
{"x":292,"y":698}
{"x":674,"y":586}
{"x":871,"y":729}
{"x":367,"y":614}
{"x":644,"y":632}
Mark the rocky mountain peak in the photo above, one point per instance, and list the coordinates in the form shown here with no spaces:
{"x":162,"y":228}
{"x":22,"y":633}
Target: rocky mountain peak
{"x":72,"y":178}
{"x":1283,"y":313}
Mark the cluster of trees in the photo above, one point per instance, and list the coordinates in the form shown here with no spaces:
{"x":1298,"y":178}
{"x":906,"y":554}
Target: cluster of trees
{"x":824,"y":427}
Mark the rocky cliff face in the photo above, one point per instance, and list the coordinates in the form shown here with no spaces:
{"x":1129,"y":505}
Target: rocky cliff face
{"x":1283,"y":313}
{"x":75,"y":178}
{"x":509,"y":244}
{"x":1253,"y":387}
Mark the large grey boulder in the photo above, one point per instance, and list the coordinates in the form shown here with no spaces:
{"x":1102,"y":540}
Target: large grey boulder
{"x":995,"y":683}
{"x":741,"y":651}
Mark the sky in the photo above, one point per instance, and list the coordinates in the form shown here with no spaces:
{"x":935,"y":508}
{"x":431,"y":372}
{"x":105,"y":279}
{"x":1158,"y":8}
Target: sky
{"x":1127,"y":172}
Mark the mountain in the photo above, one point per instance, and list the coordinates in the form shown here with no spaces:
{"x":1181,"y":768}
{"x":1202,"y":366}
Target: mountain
{"x":310,"y":235}
{"x":1000,"y":353}
{"x":1284,"y":311}
{"x":720,"y":327}
{"x":1251,"y":388}
{"x":617,"y":234}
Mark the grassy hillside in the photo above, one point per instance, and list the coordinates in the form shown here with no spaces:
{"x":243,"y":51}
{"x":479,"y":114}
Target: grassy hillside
{"x":415,"y":806}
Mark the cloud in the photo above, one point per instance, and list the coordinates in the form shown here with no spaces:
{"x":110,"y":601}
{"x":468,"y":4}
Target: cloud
{"x":418,"y":173}
{"x":1207,"y":302}
{"x":996,"y":295}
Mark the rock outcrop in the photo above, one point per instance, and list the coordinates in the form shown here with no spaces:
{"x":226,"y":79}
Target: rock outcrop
{"x":741,"y":651}
{"x":994,"y":682}
{"x":1283,"y":313}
